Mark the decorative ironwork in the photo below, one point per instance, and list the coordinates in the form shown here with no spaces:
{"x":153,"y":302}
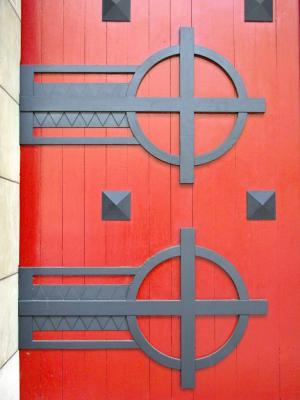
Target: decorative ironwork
{"x":116,"y":10}
{"x":77,"y":307}
{"x":88,"y":105}
{"x":79,"y":120}
{"x":258,"y":10}
{"x":261,"y":205}
{"x":116,"y":205}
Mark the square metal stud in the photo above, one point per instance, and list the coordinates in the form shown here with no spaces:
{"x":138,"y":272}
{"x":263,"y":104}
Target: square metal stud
{"x":116,"y":10}
{"x":258,"y":10}
{"x":116,"y":205}
{"x":261,"y":205}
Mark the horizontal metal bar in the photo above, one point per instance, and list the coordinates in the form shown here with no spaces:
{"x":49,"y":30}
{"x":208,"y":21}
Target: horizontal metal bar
{"x":230,"y":307}
{"x":140,"y":104}
{"x":142,"y":307}
{"x":226,"y":105}
{"x":78,"y":271}
{"x":76,"y":119}
{"x":80,"y":344}
{"x":78,"y":292}
{"x":79,"y":89}
{"x":57,"y":140}
{"x":79,"y":323}
{"x":97,"y":103}
{"x":86,"y":69}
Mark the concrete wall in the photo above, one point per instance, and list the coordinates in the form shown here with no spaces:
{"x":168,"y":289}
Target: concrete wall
{"x":10,"y":14}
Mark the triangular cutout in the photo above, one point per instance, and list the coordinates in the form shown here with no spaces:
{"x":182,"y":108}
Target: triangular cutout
{"x":40,"y":117}
{"x":71,"y":321}
{"x":102,"y":117}
{"x":80,"y":123}
{"x":56,"y":117}
{"x":87,"y":116}
{"x":95,"y":123}
{"x":64,"y":122}
{"x":72,"y":117}
{"x":119,"y":323}
{"x":110,"y":122}
{"x":118,"y":117}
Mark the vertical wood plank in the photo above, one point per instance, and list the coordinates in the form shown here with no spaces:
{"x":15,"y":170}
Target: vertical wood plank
{"x":95,"y":175}
{"x":30,"y":370}
{"x":51,"y":192}
{"x":255,"y":169}
{"x":159,"y":194}
{"x":213,"y":202}
{"x":287,"y":172}
{"x":116,"y":231}
{"x":138,"y":182}
{"x":73,"y":204}
{"x":181,"y":195}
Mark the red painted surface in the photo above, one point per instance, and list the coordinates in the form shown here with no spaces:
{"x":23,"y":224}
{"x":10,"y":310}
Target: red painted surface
{"x":61,"y":186}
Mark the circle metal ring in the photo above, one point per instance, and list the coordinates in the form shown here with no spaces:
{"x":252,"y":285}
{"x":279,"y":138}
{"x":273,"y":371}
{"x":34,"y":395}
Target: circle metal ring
{"x":230,"y":71}
{"x":201,"y":362}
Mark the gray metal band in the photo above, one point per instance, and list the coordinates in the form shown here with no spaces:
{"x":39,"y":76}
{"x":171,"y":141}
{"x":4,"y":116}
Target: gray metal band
{"x":77,"y":271}
{"x":140,"y":307}
{"x":139,"y":104}
{"x":79,"y":69}
{"x":188,"y":320}
{"x":79,"y":323}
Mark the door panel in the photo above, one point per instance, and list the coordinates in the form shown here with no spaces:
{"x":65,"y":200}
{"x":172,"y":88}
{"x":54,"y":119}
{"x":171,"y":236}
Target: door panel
{"x":61,"y":188}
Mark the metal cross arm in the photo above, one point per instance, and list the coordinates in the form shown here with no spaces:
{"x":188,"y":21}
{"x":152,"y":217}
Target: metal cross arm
{"x":98,"y":105}
{"x":142,"y":307}
{"x":142,"y":104}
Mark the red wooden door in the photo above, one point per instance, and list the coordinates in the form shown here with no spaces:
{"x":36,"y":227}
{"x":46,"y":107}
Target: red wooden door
{"x":61,"y":186}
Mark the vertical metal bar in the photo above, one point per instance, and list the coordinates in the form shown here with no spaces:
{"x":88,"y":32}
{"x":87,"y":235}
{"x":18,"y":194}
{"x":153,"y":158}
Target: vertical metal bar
{"x":26,"y":89}
{"x":25,"y":283}
{"x":187,"y":317}
{"x":187,"y":112}
{"x":25,"y":332}
{"x":27,"y":80}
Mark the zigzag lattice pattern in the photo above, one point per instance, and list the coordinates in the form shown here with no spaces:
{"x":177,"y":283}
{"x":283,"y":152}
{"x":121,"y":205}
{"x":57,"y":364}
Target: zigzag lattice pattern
{"x":80,"y":120}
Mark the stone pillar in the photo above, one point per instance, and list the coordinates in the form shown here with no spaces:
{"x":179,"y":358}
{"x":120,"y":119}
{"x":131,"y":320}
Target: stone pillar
{"x":10,"y":15}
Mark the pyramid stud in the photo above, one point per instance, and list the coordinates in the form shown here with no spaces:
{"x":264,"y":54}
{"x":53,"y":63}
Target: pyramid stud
{"x":116,"y":10}
{"x":259,"y":10}
{"x":116,"y":205}
{"x":261,"y":205}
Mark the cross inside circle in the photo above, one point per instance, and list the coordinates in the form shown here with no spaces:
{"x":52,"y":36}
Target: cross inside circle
{"x":55,"y":302}
{"x":66,"y":102}
{"x":187,"y":105}
{"x":188,"y":308}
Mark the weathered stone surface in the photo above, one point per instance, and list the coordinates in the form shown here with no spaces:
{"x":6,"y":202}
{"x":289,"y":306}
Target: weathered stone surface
{"x":9,"y":138}
{"x":9,"y":232}
{"x":9,"y":379}
{"x":8,"y":318}
{"x":17,"y":6}
{"x":10,"y":13}
{"x":9,"y":48}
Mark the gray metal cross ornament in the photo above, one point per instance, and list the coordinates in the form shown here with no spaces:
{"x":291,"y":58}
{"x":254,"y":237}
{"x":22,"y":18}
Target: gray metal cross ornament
{"x":69,"y":105}
{"x":116,"y":307}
